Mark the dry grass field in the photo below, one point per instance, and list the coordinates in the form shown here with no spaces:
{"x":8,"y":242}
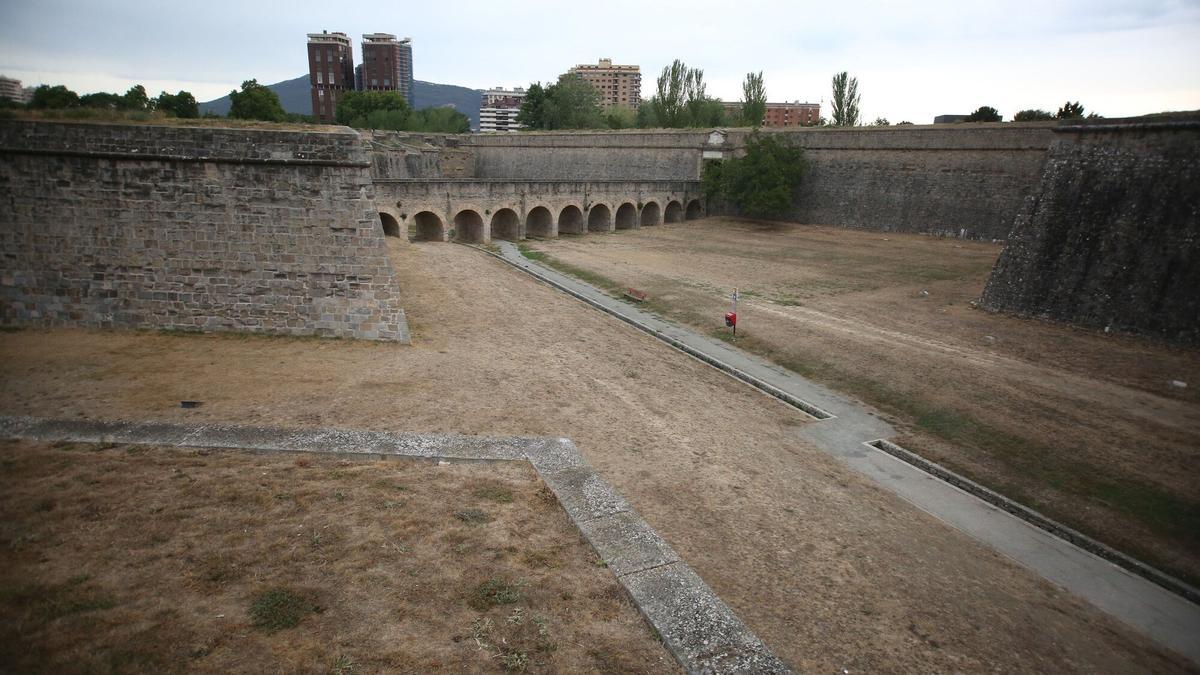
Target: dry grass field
{"x":1082,"y":425}
{"x":135,"y":559}
{"x":833,"y":572}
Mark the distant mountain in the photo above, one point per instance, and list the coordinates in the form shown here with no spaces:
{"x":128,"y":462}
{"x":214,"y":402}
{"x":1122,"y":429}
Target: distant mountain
{"x":296,"y":98}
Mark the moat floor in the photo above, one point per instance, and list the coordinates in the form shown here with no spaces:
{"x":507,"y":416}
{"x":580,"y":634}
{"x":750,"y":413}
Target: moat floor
{"x":831,"y":571}
{"x":1084,"y":426}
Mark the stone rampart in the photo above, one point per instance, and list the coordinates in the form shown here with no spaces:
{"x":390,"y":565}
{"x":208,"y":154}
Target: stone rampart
{"x":964,"y":181}
{"x":588,"y":155}
{"x":193,"y":228}
{"x":1111,"y":236}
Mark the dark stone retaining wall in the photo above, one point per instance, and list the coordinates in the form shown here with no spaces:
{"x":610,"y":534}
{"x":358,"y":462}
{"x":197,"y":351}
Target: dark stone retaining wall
{"x":963,"y":181}
{"x":1111,"y":237}
{"x":193,"y":228}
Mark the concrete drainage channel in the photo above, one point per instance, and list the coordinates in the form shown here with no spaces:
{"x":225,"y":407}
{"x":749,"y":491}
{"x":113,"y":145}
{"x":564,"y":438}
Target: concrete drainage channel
{"x":1040,"y":521}
{"x":698,"y":628}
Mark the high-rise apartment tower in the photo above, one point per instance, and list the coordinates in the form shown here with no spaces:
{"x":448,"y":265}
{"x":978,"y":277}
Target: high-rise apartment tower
{"x":387,"y":64}
{"x":618,"y":85}
{"x":330,"y":72}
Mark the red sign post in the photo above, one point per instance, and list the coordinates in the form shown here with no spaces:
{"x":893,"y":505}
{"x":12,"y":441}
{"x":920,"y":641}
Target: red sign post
{"x":731,"y":317}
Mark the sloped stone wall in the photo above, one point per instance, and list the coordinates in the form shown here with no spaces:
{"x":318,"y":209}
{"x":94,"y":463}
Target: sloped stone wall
{"x":1111,"y":236}
{"x":193,"y":228}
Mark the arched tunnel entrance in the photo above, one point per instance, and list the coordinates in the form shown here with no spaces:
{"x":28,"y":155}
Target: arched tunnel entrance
{"x":650,"y":213}
{"x":673,"y":213}
{"x":570,"y":220}
{"x":694,"y":210}
{"x":506,"y":225}
{"x":428,"y":227}
{"x":539,"y":223}
{"x":626,"y":216}
{"x":599,"y":218}
{"x":468,"y":226}
{"x":391,"y":228}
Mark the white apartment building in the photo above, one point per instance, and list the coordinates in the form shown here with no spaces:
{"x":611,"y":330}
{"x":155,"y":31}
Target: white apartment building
{"x":498,"y":109}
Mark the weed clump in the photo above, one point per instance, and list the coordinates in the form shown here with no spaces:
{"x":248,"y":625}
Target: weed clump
{"x":279,"y":608}
{"x":493,"y":592}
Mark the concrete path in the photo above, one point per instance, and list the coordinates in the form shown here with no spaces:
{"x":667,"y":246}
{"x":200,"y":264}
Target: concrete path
{"x":843,"y":429}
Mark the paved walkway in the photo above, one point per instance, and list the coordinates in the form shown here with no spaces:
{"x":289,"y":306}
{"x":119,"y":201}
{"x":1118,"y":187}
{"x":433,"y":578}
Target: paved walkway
{"x":1164,"y":616}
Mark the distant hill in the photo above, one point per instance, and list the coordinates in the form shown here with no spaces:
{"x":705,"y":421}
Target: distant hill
{"x":296,"y":98}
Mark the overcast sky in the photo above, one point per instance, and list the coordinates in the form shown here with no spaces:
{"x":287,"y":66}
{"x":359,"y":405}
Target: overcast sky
{"x":912,"y":62}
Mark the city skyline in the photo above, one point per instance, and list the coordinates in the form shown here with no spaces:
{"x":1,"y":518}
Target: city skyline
{"x":1117,"y":58}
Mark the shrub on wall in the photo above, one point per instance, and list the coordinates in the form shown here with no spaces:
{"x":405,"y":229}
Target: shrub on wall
{"x":763,"y":182}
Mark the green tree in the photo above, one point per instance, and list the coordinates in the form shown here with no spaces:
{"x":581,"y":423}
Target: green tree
{"x":1070,"y":111}
{"x":102,"y":100}
{"x":985,"y":113}
{"x":182,"y":104}
{"x":754,"y":100}
{"x":443,"y":120}
{"x":618,"y":117}
{"x":572,"y":103}
{"x":761,"y":183}
{"x":1032,"y":116}
{"x":355,"y":108}
{"x":881,"y":122}
{"x":533,"y":107}
{"x":57,"y":96}
{"x":256,"y":102}
{"x":136,"y":99}
{"x":845,"y":100}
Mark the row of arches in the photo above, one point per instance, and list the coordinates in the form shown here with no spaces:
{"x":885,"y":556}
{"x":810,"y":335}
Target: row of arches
{"x":468,"y":224}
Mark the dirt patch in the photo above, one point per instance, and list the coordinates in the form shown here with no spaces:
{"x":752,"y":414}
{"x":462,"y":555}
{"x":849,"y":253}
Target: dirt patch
{"x":135,"y":559}
{"x":831,"y":571}
{"x":1084,"y":426}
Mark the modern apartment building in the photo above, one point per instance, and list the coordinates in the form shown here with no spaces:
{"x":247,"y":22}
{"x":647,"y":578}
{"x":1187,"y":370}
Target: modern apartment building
{"x":387,"y":64}
{"x":618,"y":85}
{"x":11,"y":89}
{"x":330,"y":72}
{"x":498,"y":109}
{"x":793,"y":114}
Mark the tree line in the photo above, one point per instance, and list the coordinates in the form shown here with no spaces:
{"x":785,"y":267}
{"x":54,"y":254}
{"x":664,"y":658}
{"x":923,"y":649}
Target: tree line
{"x":136,"y":100}
{"x":254,"y":101}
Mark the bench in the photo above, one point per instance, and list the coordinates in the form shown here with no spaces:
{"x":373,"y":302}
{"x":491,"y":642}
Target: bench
{"x":635,"y":295}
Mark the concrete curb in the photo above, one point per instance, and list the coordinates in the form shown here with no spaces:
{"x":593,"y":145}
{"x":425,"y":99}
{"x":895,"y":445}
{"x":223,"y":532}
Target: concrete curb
{"x":1038,"y":520}
{"x":700,"y":630}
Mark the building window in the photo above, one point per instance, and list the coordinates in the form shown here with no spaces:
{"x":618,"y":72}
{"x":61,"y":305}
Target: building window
{"x":318,"y":52}
{"x":321,"y":94}
{"x":331,"y":77}
{"x":374,"y":82}
{"x":329,"y":54}
{"x":387,"y":82}
{"x":320,"y":79}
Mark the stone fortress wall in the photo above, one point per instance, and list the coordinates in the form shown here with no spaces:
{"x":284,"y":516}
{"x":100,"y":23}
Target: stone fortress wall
{"x":203,"y":228}
{"x":1111,"y":236}
{"x":193,"y":228}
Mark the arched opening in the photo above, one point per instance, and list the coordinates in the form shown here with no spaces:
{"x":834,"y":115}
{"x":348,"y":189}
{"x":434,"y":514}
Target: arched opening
{"x":674,"y":213}
{"x":570,"y":220}
{"x":390,"y":227}
{"x":650,"y":213}
{"x":599,"y":218}
{"x":694,"y":210}
{"x":539,"y":223}
{"x":626,"y":216}
{"x":468,"y":226}
{"x":428,"y":227}
{"x":506,"y":225}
